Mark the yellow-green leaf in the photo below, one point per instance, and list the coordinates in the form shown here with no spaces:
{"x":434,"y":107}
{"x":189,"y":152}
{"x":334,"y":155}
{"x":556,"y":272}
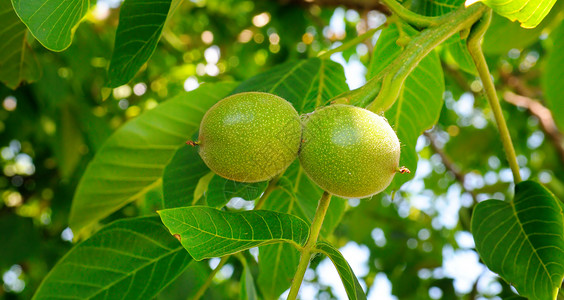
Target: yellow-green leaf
{"x":528,"y":12}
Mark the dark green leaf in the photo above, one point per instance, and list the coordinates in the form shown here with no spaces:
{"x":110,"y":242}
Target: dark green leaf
{"x":353,"y":288}
{"x":52,"y":23}
{"x":277,"y":265}
{"x":523,"y":240}
{"x":17,"y":61}
{"x":552,"y":77}
{"x":132,"y":160}
{"x":306,"y":84}
{"x":420,"y":103}
{"x":140,"y":25}
{"x":248,"y":289}
{"x":128,"y":259}
{"x":221,"y":190}
{"x":528,"y":12}
{"x":21,"y":238}
{"x":181,"y":176}
{"x":208,"y":232}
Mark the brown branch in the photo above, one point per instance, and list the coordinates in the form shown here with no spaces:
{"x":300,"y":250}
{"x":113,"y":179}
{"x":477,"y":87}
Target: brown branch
{"x":544,"y":115}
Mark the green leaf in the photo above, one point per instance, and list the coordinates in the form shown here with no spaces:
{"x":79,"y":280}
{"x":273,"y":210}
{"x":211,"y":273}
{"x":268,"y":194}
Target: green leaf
{"x":181,"y":176}
{"x":248,"y":289}
{"x":208,"y":232}
{"x":140,"y":26}
{"x":523,"y":240}
{"x":420,"y":103}
{"x":221,"y":190}
{"x":277,"y":265}
{"x":315,"y":78}
{"x":128,"y":259}
{"x":132,"y":160}
{"x":504,"y":35}
{"x":552,"y":77}
{"x":17,"y":61}
{"x":528,"y":12}
{"x":350,"y":282}
{"x":52,"y":23}
{"x":21,"y":235}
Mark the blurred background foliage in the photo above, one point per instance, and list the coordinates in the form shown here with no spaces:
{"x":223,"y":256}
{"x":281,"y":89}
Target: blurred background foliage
{"x":413,"y":244}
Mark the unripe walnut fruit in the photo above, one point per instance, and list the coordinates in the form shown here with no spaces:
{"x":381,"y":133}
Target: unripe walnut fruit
{"x":250,"y":137}
{"x":349,"y":151}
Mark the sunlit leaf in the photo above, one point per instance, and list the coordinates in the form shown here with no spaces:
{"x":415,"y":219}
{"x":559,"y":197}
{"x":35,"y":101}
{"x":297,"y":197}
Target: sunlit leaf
{"x":181,"y":176}
{"x":420,"y":103}
{"x":504,"y":35}
{"x":523,"y":240}
{"x":140,"y":25}
{"x":128,"y":259}
{"x":352,"y":286}
{"x":208,"y":232}
{"x":528,"y":12}
{"x":52,"y":23}
{"x":132,"y":160}
{"x":17,"y":61}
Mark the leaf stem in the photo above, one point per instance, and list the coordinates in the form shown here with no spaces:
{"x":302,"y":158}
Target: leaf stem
{"x":409,"y":16}
{"x":368,"y":34}
{"x":381,"y":92}
{"x":272,"y":185}
{"x":209,"y":280}
{"x":475,"y":49}
{"x":310,"y":244}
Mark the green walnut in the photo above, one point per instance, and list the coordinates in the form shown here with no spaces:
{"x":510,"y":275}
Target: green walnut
{"x":250,"y":137}
{"x":349,"y":151}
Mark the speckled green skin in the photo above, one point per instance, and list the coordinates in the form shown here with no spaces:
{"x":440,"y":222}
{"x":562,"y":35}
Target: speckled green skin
{"x":250,"y":137}
{"x":349,"y":151}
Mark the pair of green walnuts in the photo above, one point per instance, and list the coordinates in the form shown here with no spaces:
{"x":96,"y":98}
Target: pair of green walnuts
{"x":346,"y":150}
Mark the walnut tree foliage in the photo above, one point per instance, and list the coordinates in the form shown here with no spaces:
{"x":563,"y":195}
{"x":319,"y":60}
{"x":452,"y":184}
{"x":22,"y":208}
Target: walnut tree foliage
{"x":102,"y":198}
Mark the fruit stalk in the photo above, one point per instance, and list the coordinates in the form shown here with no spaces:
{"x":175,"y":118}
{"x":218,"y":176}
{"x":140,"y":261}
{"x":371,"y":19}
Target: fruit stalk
{"x":312,"y":240}
{"x":475,"y":49}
